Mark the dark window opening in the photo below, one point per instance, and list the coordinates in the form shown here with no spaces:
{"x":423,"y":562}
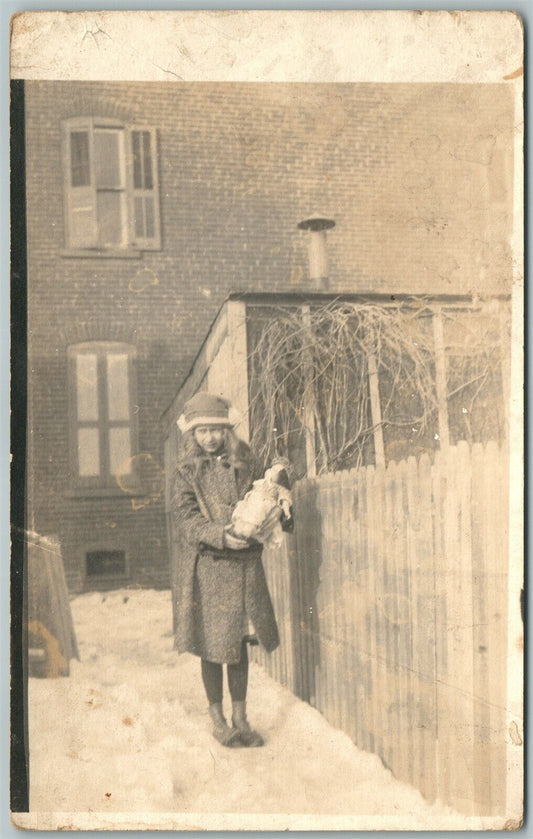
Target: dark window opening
{"x":105,"y":563}
{"x":79,"y":158}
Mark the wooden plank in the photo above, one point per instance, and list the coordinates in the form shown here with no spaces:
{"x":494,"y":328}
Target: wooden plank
{"x":480,"y":611}
{"x":318,"y":616}
{"x":443,"y":705}
{"x":301,"y":577}
{"x":404,"y":617}
{"x":349,"y":553}
{"x":304,"y":535}
{"x":328,"y":598}
{"x":373,"y":738}
{"x":505,"y":361}
{"x":338,"y":533}
{"x":425,"y":631}
{"x":464,"y":647}
{"x":386,"y":639}
{"x":355,"y":565}
{"x":383,"y":688}
{"x":367,"y":635}
{"x":448,"y":729}
{"x":314,"y":548}
{"x":441,"y":380}
{"x":497,"y":505}
{"x":323,"y":606}
{"x":327,"y":662}
{"x":282,"y":606}
{"x":415,"y":562}
{"x":291,"y":653}
{"x":375,"y":407}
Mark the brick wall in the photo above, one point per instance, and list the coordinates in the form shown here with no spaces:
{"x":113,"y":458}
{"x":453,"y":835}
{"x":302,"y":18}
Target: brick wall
{"x":414,"y":175}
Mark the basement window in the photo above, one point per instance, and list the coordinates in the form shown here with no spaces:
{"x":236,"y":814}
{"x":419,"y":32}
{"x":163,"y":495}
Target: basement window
{"x":105,"y":564}
{"x":111,"y":188}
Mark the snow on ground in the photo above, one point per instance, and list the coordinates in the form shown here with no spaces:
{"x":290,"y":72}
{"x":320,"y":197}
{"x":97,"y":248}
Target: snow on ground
{"x":128,"y":731}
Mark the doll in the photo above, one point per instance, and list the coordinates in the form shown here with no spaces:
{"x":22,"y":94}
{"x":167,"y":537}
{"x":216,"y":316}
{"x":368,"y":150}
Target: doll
{"x":260,"y":513}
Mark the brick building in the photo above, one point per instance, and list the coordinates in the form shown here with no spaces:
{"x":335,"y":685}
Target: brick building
{"x":147,"y":204}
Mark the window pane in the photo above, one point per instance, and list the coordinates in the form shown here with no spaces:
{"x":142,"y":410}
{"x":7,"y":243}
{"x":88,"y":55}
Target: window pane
{"x":79,"y":158}
{"x":110,"y":218}
{"x":88,"y":452}
{"x":149,"y":218}
{"x":142,"y":160}
{"x":118,"y":397}
{"x":148,"y":178}
{"x":137,"y":159}
{"x":107,"y":159}
{"x":119,"y":451}
{"x":139,"y":218}
{"x":144,"y":218}
{"x":87,"y":387}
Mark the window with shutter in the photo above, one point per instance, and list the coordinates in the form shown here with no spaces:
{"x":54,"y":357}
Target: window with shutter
{"x":145,"y":191}
{"x":103,"y":430}
{"x":111,"y":187}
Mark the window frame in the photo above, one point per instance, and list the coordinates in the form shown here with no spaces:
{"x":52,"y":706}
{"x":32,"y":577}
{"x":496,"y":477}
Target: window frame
{"x":75,"y":197}
{"x":105,"y":482}
{"x":90,"y":582}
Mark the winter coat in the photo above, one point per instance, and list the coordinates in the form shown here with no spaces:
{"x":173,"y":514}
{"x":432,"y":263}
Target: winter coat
{"x":219,"y":590}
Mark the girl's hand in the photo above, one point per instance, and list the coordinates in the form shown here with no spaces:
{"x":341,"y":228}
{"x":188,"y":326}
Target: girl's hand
{"x":235,"y":543}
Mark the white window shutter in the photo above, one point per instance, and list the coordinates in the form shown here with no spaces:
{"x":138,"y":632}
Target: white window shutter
{"x":80,"y":191}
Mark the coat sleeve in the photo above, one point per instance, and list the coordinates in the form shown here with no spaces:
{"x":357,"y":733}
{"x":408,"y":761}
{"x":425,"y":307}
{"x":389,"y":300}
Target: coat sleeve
{"x":198,"y":530}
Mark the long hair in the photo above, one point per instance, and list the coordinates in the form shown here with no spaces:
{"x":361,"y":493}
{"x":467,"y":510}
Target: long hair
{"x":191,"y":454}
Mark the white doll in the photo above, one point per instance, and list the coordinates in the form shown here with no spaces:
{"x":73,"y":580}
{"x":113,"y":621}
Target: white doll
{"x":258,"y":507}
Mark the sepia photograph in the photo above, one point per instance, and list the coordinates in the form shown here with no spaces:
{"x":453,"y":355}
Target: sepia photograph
{"x":269,"y":572}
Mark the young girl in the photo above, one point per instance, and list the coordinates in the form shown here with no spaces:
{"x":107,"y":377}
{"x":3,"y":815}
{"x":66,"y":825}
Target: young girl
{"x":221,"y":581}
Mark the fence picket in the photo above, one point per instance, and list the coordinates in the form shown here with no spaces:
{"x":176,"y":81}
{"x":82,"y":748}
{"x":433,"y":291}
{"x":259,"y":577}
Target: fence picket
{"x":496,"y":530}
{"x":373,"y":686}
{"x":338,"y":618}
{"x":480,"y":626}
{"x":442,"y":478}
{"x":464,"y":648}
{"x":425,"y":633}
{"x":350,"y":556}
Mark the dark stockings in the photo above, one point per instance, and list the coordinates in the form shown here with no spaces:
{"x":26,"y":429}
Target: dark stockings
{"x":237,"y":678}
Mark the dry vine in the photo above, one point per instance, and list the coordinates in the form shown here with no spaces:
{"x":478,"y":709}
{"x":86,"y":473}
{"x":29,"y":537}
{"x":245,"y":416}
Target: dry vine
{"x":314,"y":369}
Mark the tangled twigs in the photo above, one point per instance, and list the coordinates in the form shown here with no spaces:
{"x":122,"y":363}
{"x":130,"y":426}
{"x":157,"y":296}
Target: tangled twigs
{"x":315,"y":369}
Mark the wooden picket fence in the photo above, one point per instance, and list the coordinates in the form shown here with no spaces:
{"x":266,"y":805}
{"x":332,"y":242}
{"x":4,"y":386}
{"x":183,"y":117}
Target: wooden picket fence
{"x":391,"y":598}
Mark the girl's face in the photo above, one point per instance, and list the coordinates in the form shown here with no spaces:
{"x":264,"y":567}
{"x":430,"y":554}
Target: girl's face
{"x":210,"y":437}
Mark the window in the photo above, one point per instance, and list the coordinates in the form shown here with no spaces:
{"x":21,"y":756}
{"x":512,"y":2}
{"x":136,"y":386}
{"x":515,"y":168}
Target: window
{"x":105,"y":564}
{"x":111,"y":186}
{"x":103,"y":432}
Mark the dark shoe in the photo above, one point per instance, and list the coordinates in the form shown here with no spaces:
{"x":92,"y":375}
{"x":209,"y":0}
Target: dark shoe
{"x":247,"y":735}
{"x":225,"y":735}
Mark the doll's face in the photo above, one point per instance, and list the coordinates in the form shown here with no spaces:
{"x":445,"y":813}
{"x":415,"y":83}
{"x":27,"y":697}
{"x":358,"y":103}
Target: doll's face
{"x":210,"y":438}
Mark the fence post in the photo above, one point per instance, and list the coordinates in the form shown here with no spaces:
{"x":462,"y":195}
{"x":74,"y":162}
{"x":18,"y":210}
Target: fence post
{"x":440,"y":377}
{"x":375,"y":406}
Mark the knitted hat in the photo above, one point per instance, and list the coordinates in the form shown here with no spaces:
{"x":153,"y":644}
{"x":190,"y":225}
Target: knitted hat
{"x":206,"y":409}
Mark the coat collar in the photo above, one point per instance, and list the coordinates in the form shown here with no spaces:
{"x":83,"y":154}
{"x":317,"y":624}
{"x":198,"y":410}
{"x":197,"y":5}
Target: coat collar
{"x":213,"y":458}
